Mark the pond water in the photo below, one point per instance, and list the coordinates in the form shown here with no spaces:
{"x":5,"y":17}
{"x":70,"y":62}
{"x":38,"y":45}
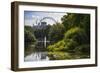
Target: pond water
{"x":37,"y":56}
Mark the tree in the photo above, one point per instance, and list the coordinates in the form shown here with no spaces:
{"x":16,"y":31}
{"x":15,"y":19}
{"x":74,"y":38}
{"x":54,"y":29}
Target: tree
{"x":42,"y":32}
{"x":29,"y":37}
{"x":56,"y":32}
{"x":77,"y":34}
{"x":75,"y":19}
{"x":75,"y":41}
{"x":77,"y":28}
{"x":74,"y":37}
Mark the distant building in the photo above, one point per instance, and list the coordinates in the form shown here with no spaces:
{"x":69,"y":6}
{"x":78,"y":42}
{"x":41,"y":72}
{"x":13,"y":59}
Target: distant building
{"x":44,"y":23}
{"x":41,"y":25}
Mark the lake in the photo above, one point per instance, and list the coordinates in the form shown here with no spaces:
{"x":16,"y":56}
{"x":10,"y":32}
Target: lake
{"x":37,"y":56}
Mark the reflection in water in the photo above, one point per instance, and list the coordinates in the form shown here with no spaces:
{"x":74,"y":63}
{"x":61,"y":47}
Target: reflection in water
{"x":37,"y":56}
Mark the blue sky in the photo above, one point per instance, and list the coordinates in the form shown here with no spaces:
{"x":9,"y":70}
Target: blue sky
{"x":31,"y":17}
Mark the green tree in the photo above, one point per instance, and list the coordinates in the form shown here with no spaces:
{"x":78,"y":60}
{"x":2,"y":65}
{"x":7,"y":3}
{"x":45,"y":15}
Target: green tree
{"x":56,"y":32}
{"x":76,"y":37}
{"x":41,"y":33}
{"x":75,"y":19}
{"x":29,"y":37}
{"x":77,"y":27}
{"x":77,"y":34}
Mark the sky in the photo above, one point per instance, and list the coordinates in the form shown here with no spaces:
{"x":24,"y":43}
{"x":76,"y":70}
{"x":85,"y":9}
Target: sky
{"x":34,"y":17}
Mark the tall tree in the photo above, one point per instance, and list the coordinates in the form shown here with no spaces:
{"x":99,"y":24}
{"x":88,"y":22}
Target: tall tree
{"x":56,"y":32}
{"x":29,"y":37}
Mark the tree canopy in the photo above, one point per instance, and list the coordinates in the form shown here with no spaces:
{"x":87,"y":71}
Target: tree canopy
{"x":74,"y":38}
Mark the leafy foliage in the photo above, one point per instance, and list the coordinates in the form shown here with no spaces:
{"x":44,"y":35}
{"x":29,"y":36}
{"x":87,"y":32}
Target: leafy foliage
{"x":56,"y":32}
{"x":41,"y":33}
{"x":59,"y":46}
{"x":29,"y":37}
{"x":76,"y":34}
{"x":75,"y":40}
{"x":83,"y":51}
{"x":57,"y":55}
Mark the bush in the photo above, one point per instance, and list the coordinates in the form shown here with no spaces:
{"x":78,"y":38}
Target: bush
{"x":70,"y":45}
{"x":59,"y":55}
{"x":59,"y":46}
{"x":83,"y":51}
